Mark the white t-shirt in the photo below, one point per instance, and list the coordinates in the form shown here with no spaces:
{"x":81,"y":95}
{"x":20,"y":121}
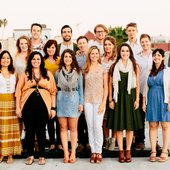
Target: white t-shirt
{"x":100,"y":46}
{"x":145,"y":65}
{"x":64,"y":47}
{"x":136,"y":48}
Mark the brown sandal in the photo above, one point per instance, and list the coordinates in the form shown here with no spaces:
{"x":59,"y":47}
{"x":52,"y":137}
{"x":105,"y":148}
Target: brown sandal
{"x":72,"y":157}
{"x":98,"y":158}
{"x":41,"y":161}
{"x":163,"y":158}
{"x":29,"y":160}
{"x":93,"y":158}
{"x":152,"y":157}
{"x":66,"y":160}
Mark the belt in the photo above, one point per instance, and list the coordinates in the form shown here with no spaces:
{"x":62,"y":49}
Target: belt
{"x":67,"y":89}
{"x":37,"y":87}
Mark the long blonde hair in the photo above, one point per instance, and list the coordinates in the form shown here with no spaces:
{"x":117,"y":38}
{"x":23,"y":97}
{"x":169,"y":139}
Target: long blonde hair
{"x":88,"y":60}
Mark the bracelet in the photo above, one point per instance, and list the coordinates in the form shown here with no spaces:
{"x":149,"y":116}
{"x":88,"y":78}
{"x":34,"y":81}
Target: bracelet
{"x":53,"y":108}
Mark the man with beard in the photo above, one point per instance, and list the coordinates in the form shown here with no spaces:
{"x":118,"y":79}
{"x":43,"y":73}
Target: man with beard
{"x":66,"y":33}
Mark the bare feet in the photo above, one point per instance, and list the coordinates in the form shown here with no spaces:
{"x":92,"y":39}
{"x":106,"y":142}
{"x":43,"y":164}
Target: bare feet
{"x":9,"y":160}
{"x":1,"y":158}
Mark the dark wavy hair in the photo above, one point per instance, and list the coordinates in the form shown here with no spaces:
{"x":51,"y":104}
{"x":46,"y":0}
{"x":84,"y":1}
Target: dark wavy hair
{"x":11,"y":68}
{"x":131,"y":57}
{"x":74,"y":64}
{"x":48,"y":44}
{"x":154,"y":70}
{"x":29,"y":67}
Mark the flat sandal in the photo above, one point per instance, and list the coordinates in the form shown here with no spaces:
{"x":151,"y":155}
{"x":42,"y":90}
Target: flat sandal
{"x":41,"y":161}
{"x":29,"y":161}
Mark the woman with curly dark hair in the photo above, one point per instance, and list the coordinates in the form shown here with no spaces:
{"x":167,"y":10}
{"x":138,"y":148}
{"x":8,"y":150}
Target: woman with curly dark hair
{"x":70,"y":95}
{"x":35,"y":103}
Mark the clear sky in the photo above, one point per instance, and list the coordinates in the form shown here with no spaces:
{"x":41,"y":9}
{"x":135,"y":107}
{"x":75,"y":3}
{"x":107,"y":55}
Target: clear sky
{"x":152,"y":16}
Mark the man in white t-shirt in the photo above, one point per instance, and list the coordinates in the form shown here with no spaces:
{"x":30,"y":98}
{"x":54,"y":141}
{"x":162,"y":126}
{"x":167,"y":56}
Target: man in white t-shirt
{"x":131,"y":31}
{"x":100,"y":33}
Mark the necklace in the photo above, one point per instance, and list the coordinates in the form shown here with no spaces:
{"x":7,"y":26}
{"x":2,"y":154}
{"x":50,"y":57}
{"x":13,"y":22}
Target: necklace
{"x":37,"y":77}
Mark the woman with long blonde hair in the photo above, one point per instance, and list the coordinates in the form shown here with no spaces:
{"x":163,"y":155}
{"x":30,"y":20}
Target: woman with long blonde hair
{"x":95,"y":93}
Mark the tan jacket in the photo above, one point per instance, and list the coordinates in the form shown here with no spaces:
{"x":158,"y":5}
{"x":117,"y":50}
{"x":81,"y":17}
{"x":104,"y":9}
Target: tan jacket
{"x":24,"y":89}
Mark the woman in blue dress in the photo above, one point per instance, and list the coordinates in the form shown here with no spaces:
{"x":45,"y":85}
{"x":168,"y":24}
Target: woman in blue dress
{"x":69,"y":101}
{"x":156,"y":103}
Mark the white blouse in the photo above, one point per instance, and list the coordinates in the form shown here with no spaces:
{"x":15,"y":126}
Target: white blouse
{"x":20,"y":66}
{"x":7,"y":85}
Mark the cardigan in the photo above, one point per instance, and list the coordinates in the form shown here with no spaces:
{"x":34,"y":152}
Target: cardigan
{"x":24,"y":89}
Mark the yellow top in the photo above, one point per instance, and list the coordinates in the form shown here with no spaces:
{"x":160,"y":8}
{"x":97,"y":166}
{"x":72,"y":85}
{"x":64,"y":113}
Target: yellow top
{"x":52,"y":67}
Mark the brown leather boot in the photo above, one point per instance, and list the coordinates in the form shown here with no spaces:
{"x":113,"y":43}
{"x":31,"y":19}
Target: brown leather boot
{"x":121,"y":156}
{"x":128,"y":156}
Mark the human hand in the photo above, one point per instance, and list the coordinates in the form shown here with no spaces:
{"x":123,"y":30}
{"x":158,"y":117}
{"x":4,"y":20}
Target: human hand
{"x":78,"y":52}
{"x":136,"y":105}
{"x":111,"y":104}
{"x":53,"y":114}
{"x":144,"y":107}
{"x":168,"y":106}
{"x":18,"y":112}
{"x":80,"y":108}
{"x":101,"y":108}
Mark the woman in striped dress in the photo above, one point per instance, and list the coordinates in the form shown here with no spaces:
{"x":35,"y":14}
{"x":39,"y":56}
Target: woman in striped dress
{"x":10,"y":143}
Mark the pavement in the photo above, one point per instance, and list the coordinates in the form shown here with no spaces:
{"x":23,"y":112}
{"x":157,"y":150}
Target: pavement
{"x":138,"y":163}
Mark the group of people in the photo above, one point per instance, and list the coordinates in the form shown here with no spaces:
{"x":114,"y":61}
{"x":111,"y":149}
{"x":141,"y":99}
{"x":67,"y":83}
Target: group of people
{"x":88,"y":88}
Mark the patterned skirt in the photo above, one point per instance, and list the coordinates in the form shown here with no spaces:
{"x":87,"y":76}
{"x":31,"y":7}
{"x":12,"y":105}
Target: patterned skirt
{"x":10,"y":138}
